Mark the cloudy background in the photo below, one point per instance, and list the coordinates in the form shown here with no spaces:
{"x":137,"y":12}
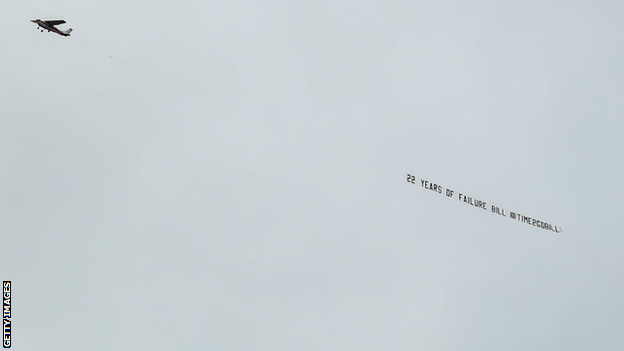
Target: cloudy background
{"x":232,"y":175}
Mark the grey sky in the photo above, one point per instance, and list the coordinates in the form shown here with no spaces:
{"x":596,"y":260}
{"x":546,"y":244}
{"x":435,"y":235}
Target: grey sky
{"x":250,"y":193}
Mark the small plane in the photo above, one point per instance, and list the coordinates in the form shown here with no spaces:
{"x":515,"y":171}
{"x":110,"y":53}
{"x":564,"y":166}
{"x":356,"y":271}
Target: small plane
{"x":50,"y":26}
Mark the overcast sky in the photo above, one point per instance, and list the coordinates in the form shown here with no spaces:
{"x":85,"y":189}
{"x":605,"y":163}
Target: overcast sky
{"x":232,"y":175}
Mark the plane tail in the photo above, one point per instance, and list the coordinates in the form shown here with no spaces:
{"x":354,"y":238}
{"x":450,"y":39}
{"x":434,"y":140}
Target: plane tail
{"x":66,"y":32}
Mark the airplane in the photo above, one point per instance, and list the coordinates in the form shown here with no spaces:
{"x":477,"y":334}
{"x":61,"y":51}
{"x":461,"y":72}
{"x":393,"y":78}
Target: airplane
{"x":50,"y":26}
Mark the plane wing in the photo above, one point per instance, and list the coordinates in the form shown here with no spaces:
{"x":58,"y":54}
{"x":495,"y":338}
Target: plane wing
{"x":55,"y":22}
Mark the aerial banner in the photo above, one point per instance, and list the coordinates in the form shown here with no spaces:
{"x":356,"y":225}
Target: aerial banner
{"x":483,"y":205}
